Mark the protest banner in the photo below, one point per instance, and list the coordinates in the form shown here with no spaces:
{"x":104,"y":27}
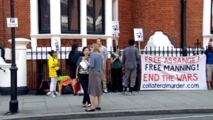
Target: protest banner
{"x":173,"y":73}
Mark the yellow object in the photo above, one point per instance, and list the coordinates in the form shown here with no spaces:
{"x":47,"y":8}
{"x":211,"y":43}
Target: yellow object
{"x":63,"y":78}
{"x":53,"y":64}
{"x":63,"y":81}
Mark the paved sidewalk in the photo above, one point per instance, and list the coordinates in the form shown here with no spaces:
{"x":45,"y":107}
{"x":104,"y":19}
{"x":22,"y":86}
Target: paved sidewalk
{"x":143,"y":102}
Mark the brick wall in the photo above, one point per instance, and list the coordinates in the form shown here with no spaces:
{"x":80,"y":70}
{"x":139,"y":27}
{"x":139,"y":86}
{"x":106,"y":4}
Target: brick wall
{"x":22,"y":12}
{"x":163,"y":15}
{"x":1,"y":24}
{"x":151,"y":15}
{"x":194,"y":21}
{"x":125,"y":21}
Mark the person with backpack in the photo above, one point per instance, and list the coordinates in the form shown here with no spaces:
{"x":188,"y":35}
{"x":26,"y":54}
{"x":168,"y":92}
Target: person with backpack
{"x":54,"y":71}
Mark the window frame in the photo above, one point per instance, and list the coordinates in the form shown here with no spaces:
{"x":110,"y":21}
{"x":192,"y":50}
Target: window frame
{"x":79,"y":20}
{"x":40,"y":31}
{"x":103,"y":19}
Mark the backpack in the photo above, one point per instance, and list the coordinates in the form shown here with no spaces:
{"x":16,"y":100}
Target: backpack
{"x":44,"y":87}
{"x":67,"y":90}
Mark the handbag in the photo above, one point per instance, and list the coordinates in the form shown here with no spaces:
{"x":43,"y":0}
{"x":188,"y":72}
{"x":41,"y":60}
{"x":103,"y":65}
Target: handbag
{"x":76,"y":86}
{"x":58,"y":72}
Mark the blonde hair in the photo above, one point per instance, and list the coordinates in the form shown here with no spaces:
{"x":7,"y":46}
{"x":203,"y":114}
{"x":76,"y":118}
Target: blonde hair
{"x":96,"y":48}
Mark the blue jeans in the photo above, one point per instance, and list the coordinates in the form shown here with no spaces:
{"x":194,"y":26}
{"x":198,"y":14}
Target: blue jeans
{"x":84,"y":79}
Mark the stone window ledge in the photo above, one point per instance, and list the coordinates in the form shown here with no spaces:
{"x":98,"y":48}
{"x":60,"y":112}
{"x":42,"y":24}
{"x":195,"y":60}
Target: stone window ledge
{"x":208,"y":35}
{"x":73,"y":36}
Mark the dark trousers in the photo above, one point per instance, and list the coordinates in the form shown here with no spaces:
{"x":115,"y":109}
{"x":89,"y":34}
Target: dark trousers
{"x":84,"y":79}
{"x":73,"y":70}
{"x":137,"y":81}
{"x":117,"y":79}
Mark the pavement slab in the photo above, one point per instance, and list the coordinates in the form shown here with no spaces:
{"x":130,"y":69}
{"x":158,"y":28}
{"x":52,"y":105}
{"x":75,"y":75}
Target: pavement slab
{"x":114,"y":104}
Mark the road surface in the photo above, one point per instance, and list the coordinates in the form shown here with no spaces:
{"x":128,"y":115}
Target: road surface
{"x":158,"y":117}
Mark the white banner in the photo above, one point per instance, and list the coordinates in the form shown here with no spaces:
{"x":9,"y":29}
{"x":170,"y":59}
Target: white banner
{"x":173,"y":73}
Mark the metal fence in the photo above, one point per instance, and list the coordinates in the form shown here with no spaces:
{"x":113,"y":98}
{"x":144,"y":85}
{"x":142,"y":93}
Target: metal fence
{"x":37,"y":65}
{"x":37,"y":61}
{"x":171,"y":51}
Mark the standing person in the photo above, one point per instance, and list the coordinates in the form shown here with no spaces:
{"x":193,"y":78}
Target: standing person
{"x":73,"y":58}
{"x":209,"y":63}
{"x":104,"y":53}
{"x":129,"y":63}
{"x":116,"y":61}
{"x":95,"y":87}
{"x":137,"y":82}
{"x":53,"y":64}
{"x":83,"y":75}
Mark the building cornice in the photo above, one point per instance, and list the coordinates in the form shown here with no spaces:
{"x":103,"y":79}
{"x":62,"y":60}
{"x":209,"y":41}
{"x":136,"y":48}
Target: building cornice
{"x":72,"y":36}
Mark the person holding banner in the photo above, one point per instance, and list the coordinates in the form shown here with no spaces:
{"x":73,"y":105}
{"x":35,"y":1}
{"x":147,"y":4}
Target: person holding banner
{"x":129,"y":63}
{"x":209,"y":63}
{"x":116,"y":60}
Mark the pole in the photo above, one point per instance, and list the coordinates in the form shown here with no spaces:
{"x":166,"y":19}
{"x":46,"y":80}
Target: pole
{"x":183,"y":27}
{"x":13,"y":69}
{"x":139,"y":46}
{"x":116,"y":40}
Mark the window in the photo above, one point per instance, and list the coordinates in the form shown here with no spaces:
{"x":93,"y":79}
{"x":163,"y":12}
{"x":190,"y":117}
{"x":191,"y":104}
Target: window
{"x":95,"y":16}
{"x":70,"y":16}
{"x":44,"y":16}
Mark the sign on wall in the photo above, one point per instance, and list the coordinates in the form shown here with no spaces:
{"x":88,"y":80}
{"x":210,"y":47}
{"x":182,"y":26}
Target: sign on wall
{"x":115,"y":27}
{"x":12,"y":22}
{"x":173,"y":73}
{"x":138,"y":34}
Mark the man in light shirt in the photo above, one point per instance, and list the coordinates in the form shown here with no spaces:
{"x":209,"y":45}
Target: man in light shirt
{"x":104,"y":53}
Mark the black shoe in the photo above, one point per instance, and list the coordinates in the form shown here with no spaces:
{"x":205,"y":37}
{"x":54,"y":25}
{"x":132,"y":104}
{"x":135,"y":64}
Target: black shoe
{"x":74,"y":94}
{"x":89,"y":110}
{"x":98,"y":108}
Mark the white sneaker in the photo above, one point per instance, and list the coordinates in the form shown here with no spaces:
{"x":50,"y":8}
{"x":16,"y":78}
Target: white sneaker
{"x":57,"y":94}
{"x":52,"y":95}
{"x":105,"y":91}
{"x":48,"y":93}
